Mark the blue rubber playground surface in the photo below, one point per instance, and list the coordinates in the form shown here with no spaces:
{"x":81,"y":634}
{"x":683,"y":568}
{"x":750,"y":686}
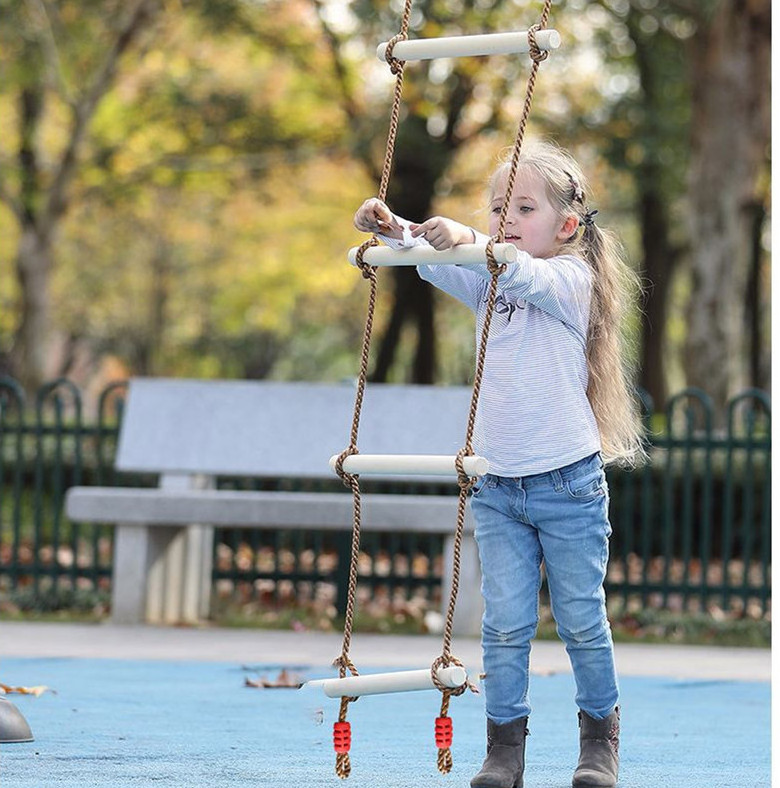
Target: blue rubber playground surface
{"x":114,"y":723}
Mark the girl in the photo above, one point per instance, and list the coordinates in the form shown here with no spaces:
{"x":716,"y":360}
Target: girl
{"x":555,"y":405}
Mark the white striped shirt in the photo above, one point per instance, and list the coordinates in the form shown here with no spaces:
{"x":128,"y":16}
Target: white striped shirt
{"x":533,"y":414}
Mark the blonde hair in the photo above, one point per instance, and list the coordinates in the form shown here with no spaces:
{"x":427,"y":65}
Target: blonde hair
{"x":610,"y":391}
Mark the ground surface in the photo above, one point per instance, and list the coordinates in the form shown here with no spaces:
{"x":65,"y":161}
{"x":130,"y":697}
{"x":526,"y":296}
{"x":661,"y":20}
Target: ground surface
{"x":168,"y":707}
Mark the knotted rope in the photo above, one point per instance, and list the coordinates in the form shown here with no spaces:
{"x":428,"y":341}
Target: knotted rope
{"x":537,"y":56}
{"x":343,"y":662}
{"x":465,"y":482}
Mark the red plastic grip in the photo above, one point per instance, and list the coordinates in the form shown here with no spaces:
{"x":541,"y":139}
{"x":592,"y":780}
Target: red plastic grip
{"x":443,"y":732}
{"x":342,"y":736}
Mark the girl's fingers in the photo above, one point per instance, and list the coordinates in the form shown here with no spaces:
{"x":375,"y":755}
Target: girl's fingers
{"x":373,"y":214}
{"x":421,"y":229}
{"x":380,"y":211}
{"x":437,"y":241}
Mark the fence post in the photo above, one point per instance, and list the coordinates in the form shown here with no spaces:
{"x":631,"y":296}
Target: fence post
{"x":12,"y":398}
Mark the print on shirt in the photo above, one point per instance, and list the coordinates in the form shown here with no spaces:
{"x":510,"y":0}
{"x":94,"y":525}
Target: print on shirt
{"x":505,"y":307}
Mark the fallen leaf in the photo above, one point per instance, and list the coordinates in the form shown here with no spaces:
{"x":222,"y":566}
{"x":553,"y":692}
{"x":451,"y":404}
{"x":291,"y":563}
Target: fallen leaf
{"x":285,"y":680}
{"x":37,"y":691}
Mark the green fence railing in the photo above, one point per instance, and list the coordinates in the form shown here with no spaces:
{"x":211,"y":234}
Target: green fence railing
{"x":691,"y":529}
{"x":45,"y":448}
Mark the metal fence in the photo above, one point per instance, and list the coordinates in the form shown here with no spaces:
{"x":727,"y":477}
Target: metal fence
{"x":691,"y":528}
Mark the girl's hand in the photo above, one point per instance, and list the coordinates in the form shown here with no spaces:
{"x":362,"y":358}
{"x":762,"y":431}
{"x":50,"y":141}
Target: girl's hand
{"x":374,"y":216}
{"x":442,"y":233}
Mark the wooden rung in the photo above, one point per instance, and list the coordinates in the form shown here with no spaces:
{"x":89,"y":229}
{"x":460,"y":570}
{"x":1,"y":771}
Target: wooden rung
{"x":463,"y":254}
{"x":470,"y":46}
{"x":379,"y":683}
{"x":411,"y":464}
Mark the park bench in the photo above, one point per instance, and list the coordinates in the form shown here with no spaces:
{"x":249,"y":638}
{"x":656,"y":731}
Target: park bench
{"x":191,"y":432}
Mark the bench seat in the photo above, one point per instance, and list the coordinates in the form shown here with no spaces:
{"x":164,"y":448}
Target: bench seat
{"x":248,"y":509}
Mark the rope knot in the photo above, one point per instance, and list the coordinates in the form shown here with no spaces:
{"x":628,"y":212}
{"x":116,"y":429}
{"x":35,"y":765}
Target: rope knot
{"x":396,"y":65}
{"x":345,"y":477}
{"x":368,"y":271}
{"x":445,"y":661}
{"x":536,"y":54}
{"x":443,"y":724}
{"x":344,"y":664}
{"x":465,"y":482}
{"x":496,"y":269}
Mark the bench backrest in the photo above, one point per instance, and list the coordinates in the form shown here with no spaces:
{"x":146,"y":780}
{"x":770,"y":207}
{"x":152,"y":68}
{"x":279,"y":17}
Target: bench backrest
{"x":267,"y":429}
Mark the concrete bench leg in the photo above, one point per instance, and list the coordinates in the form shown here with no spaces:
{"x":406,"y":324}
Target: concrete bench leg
{"x":179,"y":587}
{"x":179,"y":590}
{"x":137,"y":551}
{"x":469,"y":607}
{"x":198,"y":565}
{"x":162,"y":575}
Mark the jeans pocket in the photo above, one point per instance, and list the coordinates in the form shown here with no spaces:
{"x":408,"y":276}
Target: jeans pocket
{"x":587,"y":488}
{"x":483,"y":481}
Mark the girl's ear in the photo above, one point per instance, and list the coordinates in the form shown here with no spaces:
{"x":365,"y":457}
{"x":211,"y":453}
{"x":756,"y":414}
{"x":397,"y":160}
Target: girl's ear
{"x":568,"y":228}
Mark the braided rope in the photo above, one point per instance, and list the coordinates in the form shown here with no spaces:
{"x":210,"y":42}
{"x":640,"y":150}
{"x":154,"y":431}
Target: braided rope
{"x":465,"y":483}
{"x":537,"y":56}
{"x":444,"y":760}
{"x":343,"y":662}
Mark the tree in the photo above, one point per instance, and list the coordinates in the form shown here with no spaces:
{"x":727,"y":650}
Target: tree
{"x":447,"y":107}
{"x":650,"y":127}
{"x":181,"y":182}
{"x":701,"y":107}
{"x":730,"y":131}
{"x":41,"y":195}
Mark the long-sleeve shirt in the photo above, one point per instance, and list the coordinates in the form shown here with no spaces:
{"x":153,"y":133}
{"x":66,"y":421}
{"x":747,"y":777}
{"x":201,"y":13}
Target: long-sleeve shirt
{"x":533,"y":414}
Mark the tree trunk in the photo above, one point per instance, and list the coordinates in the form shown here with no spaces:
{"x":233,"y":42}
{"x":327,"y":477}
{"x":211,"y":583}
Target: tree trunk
{"x":391,"y":338}
{"x":730,"y":134}
{"x":41,"y":205}
{"x":420,"y":162}
{"x":412,"y":301}
{"x":659,"y":263}
{"x":30,"y":352}
{"x":757,"y":305}
{"x":658,"y":133}
{"x":152,"y":334}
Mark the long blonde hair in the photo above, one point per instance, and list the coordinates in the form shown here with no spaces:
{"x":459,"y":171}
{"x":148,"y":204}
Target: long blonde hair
{"x":610,"y":391}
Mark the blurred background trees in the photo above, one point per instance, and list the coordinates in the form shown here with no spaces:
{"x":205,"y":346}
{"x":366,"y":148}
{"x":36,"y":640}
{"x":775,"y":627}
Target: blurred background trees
{"x":177,"y":180}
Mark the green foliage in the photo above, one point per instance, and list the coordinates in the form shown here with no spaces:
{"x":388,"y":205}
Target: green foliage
{"x":210,"y":214}
{"x":647,"y":626}
{"x":650,"y":122}
{"x":663,"y":626}
{"x":55,"y":604}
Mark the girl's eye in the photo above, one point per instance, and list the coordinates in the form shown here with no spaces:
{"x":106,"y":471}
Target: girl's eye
{"x":495,"y":209}
{"x":526,"y":209}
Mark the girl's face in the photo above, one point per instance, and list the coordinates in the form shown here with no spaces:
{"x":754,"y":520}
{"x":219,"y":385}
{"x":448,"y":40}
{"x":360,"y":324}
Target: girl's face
{"x":532,"y":224}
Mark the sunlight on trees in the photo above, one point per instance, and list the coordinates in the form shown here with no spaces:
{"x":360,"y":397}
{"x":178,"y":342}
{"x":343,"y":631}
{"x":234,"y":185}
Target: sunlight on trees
{"x":186,"y":206}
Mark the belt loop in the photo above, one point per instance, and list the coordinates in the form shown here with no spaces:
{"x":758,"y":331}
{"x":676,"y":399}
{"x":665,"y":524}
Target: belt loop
{"x":557,"y":480}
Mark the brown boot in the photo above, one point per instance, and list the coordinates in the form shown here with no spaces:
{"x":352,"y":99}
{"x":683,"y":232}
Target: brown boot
{"x":599,"y":739}
{"x":505,"y":762}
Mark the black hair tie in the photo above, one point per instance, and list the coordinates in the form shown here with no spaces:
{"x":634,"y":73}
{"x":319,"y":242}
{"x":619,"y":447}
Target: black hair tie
{"x":589,"y":219}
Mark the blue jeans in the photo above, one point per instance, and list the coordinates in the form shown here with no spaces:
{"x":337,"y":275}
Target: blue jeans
{"x":560,"y":516}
